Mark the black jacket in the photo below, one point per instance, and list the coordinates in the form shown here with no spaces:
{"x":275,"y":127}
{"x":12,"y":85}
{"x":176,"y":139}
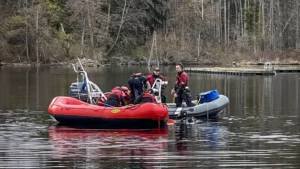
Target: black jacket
{"x":114,"y":100}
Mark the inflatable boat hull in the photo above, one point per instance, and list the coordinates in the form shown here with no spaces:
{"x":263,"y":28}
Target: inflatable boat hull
{"x":70,"y":111}
{"x":210,"y":109}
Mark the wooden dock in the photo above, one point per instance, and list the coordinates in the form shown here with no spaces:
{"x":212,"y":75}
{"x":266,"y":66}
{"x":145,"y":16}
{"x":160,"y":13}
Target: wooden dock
{"x":243,"y":71}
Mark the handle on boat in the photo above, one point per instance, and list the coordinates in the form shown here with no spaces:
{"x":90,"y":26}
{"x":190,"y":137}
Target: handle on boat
{"x":89,"y":84}
{"x":107,"y":105}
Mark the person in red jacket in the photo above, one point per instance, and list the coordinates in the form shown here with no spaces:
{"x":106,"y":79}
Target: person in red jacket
{"x":152,"y":77}
{"x":116,"y":98}
{"x":181,"y":90}
{"x":148,"y":97}
{"x":127,"y":94}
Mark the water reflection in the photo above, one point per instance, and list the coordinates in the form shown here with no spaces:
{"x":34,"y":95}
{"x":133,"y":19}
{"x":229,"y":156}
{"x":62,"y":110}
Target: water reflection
{"x":108,"y":147}
{"x":34,"y":88}
{"x":211,"y":136}
{"x":259,"y":129}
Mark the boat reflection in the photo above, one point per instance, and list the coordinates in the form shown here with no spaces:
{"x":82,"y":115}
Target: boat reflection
{"x":116,"y":143}
{"x":204,"y":137}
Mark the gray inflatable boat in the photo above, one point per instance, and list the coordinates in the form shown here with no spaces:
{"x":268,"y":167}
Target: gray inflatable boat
{"x":210,"y":109}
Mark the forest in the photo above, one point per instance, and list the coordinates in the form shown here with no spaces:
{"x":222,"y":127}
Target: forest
{"x":203,"y":31}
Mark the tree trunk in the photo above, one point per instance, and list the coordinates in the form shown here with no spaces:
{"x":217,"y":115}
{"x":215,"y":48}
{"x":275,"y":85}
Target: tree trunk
{"x":120,"y":27}
{"x":82,"y":38}
{"x":37,"y":35}
{"x":90,"y":28}
{"x":108,"y":18}
{"x":228,"y":24}
{"x":263,"y":22}
{"x":271,"y":26}
{"x":151,"y":52}
{"x":198,"y":46}
{"x":297,"y":26}
{"x":236,"y":27}
{"x":220,"y":21}
{"x":242,"y":18}
{"x":156,"y":52}
{"x":225,"y":23}
{"x":202,"y":10}
{"x":26,"y":33}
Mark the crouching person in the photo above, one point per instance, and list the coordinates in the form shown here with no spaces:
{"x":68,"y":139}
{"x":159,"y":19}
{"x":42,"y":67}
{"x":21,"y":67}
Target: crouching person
{"x":148,"y":97}
{"x":116,"y":98}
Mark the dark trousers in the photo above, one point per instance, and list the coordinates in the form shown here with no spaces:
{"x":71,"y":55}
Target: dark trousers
{"x":163,"y":98}
{"x":184,"y":96}
{"x":136,"y":88}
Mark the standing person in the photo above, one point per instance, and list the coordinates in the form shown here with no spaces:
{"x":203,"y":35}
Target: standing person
{"x":137,"y":83}
{"x":152,"y":77}
{"x":181,"y":90}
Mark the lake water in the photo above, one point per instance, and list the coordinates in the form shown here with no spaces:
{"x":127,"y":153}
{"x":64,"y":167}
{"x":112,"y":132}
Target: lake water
{"x":259,"y":128}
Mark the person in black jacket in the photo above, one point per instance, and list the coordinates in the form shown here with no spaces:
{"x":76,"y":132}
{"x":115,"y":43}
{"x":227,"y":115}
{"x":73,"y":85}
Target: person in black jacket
{"x":116,"y":98}
{"x":148,"y":97}
{"x":137,"y":84}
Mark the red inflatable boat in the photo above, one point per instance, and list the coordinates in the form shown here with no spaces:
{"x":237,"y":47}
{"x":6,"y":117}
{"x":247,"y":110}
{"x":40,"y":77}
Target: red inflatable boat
{"x":68,"y":110}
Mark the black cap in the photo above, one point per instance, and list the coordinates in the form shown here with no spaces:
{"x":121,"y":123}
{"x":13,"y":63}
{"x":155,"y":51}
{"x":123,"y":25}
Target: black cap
{"x":156,"y":69}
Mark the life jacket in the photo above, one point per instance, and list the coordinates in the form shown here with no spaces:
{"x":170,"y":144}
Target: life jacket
{"x":182,"y":79}
{"x":116,"y":88}
{"x":117,"y":92}
{"x":148,"y":98}
{"x":126,"y":94}
{"x":102,"y":100}
{"x":137,"y":76}
{"x":152,"y":78}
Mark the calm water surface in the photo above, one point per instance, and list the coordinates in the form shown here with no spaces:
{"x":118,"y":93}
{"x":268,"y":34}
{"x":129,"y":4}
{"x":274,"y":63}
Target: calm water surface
{"x":259,"y":128}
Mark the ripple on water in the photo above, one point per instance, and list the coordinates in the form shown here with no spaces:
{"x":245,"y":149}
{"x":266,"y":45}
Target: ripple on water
{"x":26,"y":141}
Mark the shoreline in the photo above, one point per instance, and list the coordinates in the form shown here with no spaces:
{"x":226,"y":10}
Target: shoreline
{"x":97,"y":64}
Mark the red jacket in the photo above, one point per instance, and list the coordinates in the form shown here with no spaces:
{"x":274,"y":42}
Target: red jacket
{"x":181,"y":81}
{"x":117,"y":92}
{"x":147,"y":95}
{"x":152,"y":79}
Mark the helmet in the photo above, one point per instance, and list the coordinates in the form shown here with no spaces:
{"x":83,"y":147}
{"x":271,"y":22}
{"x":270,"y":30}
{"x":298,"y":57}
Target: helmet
{"x":125,"y":90}
{"x":116,"y":88}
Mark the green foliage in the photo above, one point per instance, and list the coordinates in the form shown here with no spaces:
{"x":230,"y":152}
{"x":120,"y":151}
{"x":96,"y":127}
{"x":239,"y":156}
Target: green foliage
{"x":138,"y":51}
{"x":253,"y":18}
{"x":54,"y":12}
{"x":74,"y":50}
{"x":65,"y":37}
{"x":14,"y":22}
{"x":155,"y":14}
